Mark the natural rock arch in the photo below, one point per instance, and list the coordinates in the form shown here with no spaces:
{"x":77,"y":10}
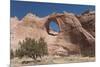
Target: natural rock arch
{"x":53,"y":17}
{"x":73,"y":22}
{"x":70,"y":20}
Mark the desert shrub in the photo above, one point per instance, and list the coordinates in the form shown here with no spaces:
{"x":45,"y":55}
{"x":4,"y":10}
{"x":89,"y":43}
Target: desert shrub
{"x":11,"y":54}
{"x":32,"y":48}
{"x":88,"y":51}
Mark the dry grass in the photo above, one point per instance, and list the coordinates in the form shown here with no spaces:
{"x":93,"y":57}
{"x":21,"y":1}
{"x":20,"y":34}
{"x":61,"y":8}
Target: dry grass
{"x":16,"y":62}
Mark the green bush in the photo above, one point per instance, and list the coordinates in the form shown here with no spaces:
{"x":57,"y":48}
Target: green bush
{"x":11,"y":54}
{"x":32,"y":48}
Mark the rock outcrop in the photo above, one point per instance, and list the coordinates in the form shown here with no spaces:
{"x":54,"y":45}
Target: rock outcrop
{"x":76,"y":36}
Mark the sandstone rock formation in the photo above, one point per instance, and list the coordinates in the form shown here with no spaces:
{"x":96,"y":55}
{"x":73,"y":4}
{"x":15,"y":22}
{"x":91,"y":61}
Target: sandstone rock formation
{"x":75,"y":37}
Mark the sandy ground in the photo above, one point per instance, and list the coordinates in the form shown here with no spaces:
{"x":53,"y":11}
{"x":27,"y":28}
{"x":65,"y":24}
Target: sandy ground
{"x":16,"y":62}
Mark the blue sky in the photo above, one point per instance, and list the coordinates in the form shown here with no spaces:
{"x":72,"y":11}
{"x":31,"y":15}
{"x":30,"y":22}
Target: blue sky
{"x":21,"y":8}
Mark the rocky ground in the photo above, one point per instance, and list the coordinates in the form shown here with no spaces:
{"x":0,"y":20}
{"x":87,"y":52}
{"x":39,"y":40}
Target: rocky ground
{"x":16,"y":62}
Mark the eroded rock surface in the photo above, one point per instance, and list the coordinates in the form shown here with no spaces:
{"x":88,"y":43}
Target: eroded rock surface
{"x":75,"y":35}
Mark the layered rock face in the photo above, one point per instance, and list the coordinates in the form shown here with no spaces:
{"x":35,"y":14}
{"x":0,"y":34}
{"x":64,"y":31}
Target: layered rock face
{"x":88,"y":22}
{"x":73,"y":39}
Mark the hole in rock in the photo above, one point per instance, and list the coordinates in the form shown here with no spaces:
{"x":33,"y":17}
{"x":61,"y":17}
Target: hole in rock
{"x":54,"y":26}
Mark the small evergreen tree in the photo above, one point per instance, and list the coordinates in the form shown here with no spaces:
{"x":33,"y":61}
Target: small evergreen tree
{"x":32,"y":48}
{"x":11,"y":54}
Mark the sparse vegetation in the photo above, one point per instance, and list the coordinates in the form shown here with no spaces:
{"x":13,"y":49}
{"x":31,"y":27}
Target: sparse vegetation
{"x":32,"y":48}
{"x":11,"y":54}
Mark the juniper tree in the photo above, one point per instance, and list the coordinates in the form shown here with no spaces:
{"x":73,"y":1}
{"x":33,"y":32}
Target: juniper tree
{"x":32,"y":48}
